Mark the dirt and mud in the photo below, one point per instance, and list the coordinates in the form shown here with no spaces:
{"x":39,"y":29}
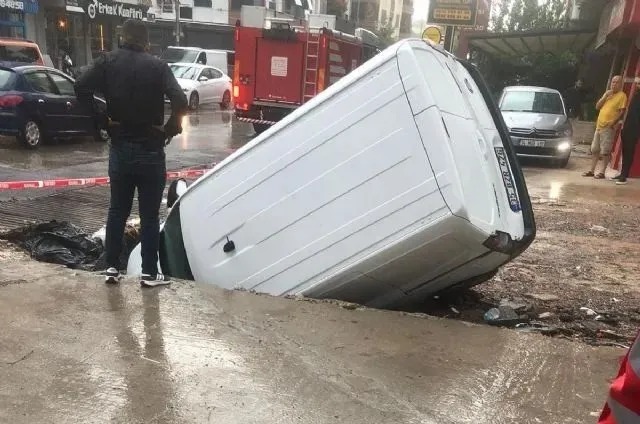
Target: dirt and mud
{"x":580,"y":278}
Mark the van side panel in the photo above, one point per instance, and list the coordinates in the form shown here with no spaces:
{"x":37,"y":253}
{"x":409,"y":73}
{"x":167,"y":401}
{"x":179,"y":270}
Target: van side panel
{"x":318,"y":195}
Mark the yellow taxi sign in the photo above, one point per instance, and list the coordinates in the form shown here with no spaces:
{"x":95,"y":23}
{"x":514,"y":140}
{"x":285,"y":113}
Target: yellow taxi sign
{"x":432,"y":34}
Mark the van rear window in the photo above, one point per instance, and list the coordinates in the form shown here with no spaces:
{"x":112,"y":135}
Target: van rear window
{"x":22,"y":54}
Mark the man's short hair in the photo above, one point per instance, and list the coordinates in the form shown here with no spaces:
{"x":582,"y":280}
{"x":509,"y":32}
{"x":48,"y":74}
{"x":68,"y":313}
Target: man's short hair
{"x":135,"y":32}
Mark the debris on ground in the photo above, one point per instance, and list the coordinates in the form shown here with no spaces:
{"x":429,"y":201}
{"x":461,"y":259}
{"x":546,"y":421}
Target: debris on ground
{"x":503,"y":316}
{"x":60,"y":242}
{"x":584,"y":256}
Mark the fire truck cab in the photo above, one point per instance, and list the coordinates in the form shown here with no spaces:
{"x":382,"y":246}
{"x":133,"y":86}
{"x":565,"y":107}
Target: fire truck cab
{"x":280,"y":66}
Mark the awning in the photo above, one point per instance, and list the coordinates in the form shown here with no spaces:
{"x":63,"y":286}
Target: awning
{"x":510,"y":44}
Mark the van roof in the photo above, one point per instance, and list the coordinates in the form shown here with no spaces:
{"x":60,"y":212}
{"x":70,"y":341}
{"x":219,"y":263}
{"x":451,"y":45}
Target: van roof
{"x":199,"y":49}
{"x":531,"y":88}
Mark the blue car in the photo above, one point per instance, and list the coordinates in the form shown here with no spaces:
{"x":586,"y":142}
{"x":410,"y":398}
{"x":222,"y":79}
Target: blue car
{"x":38,"y":103}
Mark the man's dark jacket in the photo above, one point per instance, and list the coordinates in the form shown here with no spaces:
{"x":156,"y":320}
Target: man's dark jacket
{"x":631,"y":127}
{"x":134,"y":84}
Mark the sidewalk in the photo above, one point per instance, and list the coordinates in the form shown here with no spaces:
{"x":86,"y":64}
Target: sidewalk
{"x":75,"y":350}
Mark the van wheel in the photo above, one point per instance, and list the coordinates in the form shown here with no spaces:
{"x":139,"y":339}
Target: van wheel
{"x":562,"y":163}
{"x":226,"y":100}
{"x":194,"y":101}
{"x":260,"y":128}
{"x":31,"y":134}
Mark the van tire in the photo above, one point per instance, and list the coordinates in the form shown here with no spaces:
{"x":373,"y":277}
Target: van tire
{"x":260,"y":128}
{"x":194,"y":101}
{"x":226,"y":100}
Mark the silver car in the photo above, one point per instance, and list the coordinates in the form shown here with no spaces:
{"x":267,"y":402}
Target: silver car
{"x":538,"y":123}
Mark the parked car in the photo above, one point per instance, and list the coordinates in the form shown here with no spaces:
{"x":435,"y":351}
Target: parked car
{"x":17,"y":51}
{"x":38,"y":103}
{"x":538,"y":123}
{"x":203,"y":84}
{"x":221,"y":59}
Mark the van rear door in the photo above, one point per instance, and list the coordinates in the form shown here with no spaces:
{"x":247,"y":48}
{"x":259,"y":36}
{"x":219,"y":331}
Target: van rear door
{"x":279,"y":70}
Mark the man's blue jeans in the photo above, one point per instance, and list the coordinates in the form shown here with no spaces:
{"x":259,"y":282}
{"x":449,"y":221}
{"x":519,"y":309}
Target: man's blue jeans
{"x":135,"y":166}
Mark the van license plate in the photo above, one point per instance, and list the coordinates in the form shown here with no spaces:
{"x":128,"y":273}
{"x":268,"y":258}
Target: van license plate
{"x":531,"y":143}
{"x":507,"y":179}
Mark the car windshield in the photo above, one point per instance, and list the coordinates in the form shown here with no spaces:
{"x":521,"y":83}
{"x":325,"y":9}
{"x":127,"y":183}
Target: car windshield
{"x":173,"y":55}
{"x":532,"y":101}
{"x":22,"y":54}
{"x":6,"y":79}
{"x":184,"y":72}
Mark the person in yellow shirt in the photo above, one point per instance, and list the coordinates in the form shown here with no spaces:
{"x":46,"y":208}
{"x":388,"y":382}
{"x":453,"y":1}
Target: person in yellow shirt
{"x":611,"y":106}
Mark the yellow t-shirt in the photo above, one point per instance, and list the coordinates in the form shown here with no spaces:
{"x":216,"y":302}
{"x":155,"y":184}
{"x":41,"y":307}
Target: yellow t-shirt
{"x":610,"y":109}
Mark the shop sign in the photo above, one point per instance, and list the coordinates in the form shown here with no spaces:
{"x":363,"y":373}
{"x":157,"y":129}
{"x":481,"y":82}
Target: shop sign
{"x":453,"y":12}
{"x":97,"y":8}
{"x":27,"y":6}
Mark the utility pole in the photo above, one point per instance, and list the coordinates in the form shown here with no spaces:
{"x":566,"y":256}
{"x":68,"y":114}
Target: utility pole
{"x":176,"y":6}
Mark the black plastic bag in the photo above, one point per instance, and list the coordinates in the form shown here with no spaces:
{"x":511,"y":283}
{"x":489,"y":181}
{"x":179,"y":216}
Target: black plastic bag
{"x":57,"y":242}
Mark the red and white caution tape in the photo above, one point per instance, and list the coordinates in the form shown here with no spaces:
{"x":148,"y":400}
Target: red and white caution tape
{"x":80,"y":182}
{"x":256,"y":121}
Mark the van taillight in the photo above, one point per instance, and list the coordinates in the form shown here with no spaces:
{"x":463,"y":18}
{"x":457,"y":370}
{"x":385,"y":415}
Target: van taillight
{"x":10,"y":100}
{"x":236,"y":91}
{"x":236,"y":71}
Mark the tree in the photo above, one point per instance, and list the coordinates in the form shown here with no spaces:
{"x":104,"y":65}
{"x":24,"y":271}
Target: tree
{"x":386,"y":33}
{"x":555,"y":70}
{"x":524,"y":15}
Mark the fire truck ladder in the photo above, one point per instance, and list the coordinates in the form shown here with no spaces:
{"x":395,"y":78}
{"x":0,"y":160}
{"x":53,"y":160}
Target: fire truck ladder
{"x":311,"y":65}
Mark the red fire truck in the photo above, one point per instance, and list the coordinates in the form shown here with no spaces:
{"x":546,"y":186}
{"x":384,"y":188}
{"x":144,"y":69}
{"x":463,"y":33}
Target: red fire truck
{"x":280,"y":68}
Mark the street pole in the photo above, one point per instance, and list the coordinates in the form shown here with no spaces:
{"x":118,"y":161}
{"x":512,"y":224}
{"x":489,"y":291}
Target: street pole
{"x":176,"y":6}
{"x":358,"y":14}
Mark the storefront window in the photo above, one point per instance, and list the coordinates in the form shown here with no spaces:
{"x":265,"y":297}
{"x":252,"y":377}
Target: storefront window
{"x":66,"y":34}
{"x":11,"y":24}
{"x":101,"y":34}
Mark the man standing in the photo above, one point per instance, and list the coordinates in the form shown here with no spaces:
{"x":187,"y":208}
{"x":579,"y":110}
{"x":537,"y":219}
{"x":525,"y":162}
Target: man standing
{"x":629,"y":137}
{"x":611,"y":107}
{"x":134,"y":84}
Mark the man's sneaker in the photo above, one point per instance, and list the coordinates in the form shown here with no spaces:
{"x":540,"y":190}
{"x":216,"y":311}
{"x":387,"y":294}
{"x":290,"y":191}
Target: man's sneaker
{"x":154,"y":280}
{"x":112,"y":276}
{"x":617,"y":177}
{"x":621,"y":181}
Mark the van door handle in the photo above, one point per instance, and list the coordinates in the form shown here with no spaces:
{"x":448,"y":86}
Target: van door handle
{"x":69,"y":105}
{"x":40,"y":101}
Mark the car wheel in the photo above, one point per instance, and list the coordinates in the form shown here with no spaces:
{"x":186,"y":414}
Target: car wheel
{"x":102,"y":136}
{"x":31,"y":134}
{"x":194,"y":101}
{"x":226,"y":100}
{"x":260,"y":128}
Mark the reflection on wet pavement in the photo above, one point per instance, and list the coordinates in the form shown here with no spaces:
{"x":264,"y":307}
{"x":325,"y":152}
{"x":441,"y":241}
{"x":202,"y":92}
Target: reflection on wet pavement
{"x":192,"y":354}
{"x":209,"y":135}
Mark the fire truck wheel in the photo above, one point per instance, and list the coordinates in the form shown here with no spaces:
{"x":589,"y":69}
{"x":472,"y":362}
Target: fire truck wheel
{"x":226,"y":100}
{"x":260,"y":128}
{"x":194,"y":101}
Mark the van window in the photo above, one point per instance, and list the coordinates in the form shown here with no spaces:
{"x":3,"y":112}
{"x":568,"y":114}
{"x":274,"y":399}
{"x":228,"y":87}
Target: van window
{"x":532,"y":101}
{"x":202,"y":58}
{"x":23,"y":54}
{"x":176,"y":54}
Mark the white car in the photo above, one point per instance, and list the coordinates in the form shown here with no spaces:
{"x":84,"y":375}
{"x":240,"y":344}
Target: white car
{"x":203,"y":84}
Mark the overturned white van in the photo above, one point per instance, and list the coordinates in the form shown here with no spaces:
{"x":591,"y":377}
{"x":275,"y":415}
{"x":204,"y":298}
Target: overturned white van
{"x":395,"y":183}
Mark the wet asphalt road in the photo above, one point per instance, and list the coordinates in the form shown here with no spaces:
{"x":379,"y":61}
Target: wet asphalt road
{"x":73,"y":350}
{"x":208,"y":136}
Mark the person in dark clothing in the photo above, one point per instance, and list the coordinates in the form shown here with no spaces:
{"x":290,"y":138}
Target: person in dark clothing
{"x":574,"y":97}
{"x":134,"y":85}
{"x":629,"y":138}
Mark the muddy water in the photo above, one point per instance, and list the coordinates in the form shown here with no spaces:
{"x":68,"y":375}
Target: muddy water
{"x":73,"y":350}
